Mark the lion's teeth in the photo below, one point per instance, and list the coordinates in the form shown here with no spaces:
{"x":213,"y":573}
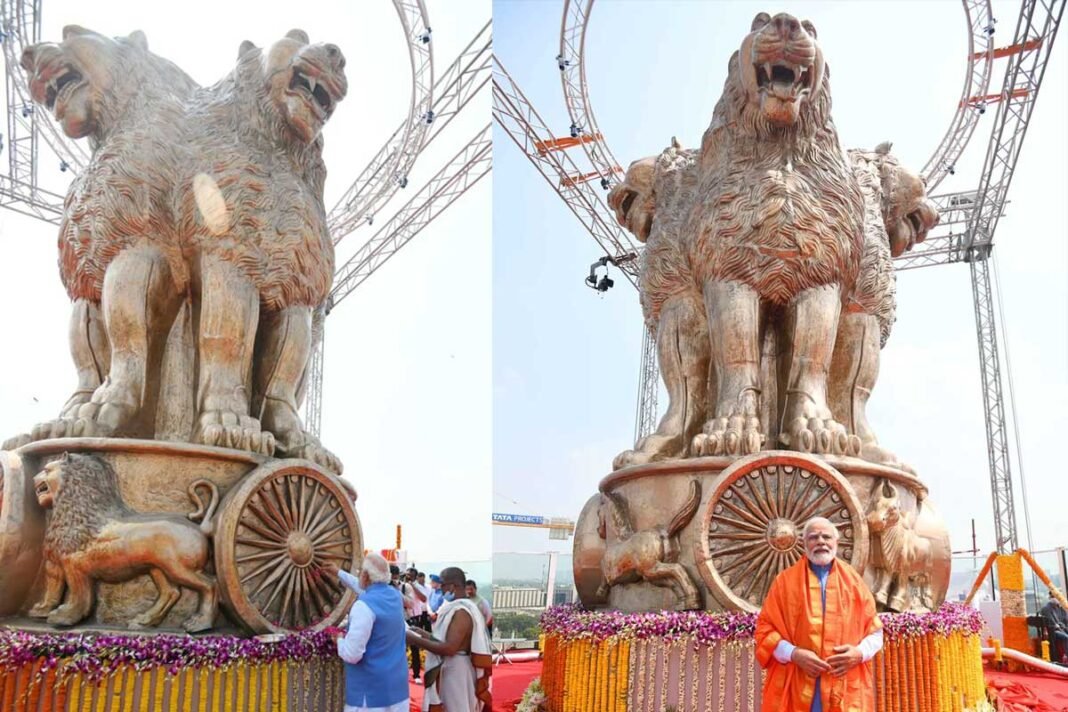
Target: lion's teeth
{"x":311,"y":84}
{"x":767,"y":69}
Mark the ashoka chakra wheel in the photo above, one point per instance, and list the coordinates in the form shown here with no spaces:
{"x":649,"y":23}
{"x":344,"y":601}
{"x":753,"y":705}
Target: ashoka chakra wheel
{"x":275,"y":531}
{"x":752,"y":526}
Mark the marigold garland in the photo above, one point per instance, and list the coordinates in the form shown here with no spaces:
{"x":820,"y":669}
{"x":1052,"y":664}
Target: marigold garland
{"x":620,"y":662}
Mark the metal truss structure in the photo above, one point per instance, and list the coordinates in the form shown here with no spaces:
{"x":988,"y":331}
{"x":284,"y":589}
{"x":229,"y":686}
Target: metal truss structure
{"x":388,"y":170}
{"x":968,"y":218}
{"x":464,"y":78}
{"x":20,"y":26}
{"x":516,"y":115}
{"x":454,"y":179}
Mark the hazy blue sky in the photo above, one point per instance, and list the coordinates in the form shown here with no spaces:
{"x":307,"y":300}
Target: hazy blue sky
{"x":566,"y":358}
{"x":407,"y":386}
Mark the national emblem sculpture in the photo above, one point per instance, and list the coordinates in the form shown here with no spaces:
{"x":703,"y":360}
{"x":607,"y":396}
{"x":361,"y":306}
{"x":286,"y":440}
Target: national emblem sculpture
{"x":767,"y":279}
{"x":194,"y":249}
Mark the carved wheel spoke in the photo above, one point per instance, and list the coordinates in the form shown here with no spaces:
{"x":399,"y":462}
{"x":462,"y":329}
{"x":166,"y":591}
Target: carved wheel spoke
{"x":754,"y":522}
{"x":281,"y":526}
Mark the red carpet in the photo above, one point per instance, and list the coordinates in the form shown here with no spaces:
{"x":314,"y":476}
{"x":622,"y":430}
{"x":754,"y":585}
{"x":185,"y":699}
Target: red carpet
{"x":509,"y":682}
{"x":1022,"y":692}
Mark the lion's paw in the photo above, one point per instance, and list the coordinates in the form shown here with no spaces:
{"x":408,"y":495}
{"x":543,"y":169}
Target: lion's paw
{"x":733,"y":435}
{"x":821,"y":436}
{"x":651,"y":448}
{"x":96,"y":419}
{"x":16,"y":442}
{"x":197,"y":623}
{"x":64,"y":615}
{"x":873,"y":452}
{"x":304,"y":445}
{"x":228,"y":429}
{"x":41,"y":610}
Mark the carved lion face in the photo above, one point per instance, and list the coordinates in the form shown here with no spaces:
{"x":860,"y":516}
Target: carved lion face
{"x":72,"y":78}
{"x":48,"y":482}
{"x":305,"y":82}
{"x":633,"y":200}
{"x":781,"y":66}
{"x":907,"y":212}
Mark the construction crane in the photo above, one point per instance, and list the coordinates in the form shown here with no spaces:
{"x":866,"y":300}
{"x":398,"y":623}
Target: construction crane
{"x":965,"y":233}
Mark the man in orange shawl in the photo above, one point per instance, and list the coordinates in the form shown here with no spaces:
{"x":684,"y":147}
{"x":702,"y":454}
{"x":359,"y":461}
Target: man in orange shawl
{"x":817,"y":630}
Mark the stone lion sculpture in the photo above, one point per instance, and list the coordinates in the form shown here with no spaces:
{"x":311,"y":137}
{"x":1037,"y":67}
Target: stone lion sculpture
{"x":774,"y":241}
{"x":898,"y":215}
{"x":207,"y":196}
{"x":117,"y":220}
{"x":653,"y":202}
{"x":93,"y":536}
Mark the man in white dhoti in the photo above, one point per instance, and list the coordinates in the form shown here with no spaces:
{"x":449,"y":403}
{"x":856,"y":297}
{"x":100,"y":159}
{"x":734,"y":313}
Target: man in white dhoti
{"x":458,"y":661}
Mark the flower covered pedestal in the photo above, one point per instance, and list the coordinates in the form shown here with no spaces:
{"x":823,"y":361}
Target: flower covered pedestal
{"x":109,"y":673}
{"x":704,"y":662}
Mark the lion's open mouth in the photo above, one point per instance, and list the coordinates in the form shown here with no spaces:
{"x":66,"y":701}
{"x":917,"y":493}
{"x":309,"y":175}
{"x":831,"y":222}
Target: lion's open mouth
{"x":916,"y":222}
{"x":782,"y":78}
{"x":61,"y":86}
{"x":40,"y":489}
{"x":315,"y":91}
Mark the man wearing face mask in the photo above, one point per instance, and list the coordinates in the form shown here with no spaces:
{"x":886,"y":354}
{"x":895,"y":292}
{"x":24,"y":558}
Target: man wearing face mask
{"x":458,"y":662}
{"x":817,"y":630}
{"x":373,"y":649}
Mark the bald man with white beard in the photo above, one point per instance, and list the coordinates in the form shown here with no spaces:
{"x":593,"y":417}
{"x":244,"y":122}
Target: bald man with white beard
{"x":817,"y":630}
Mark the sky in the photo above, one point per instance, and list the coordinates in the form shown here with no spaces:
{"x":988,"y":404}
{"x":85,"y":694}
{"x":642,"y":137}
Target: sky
{"x":566,"y":358}
{"x":407,"y":397}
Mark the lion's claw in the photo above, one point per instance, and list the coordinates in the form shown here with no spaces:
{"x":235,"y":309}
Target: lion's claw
{"x":821,"y":436}
{"x":240,"y":432}
{"x":733,"y":435}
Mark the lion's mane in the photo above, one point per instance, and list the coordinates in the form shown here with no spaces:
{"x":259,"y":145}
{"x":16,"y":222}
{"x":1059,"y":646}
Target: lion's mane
{"x":876,"y":286}
{"x":123,"y":195}
{"x":161,"y":130}
{"x":665,"y":270}
{"x":87,"y":499}
{"x":273,"y":186}
{"x":777,"y":208}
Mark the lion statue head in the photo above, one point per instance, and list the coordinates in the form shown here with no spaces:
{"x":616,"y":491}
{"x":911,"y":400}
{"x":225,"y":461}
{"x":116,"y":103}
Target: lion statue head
{"x":301,"y":82}
{"x":633,"y":201}
{"x":777,"y":78}
{"x":83,"y":493}
{"x":88,"y":81}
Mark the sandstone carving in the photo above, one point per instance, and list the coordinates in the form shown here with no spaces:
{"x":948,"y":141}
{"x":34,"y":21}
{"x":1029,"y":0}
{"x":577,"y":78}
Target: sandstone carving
{"x":93,"y":536}
{"x":767,"y":278}
{"x":649,"y":554}
{"x":656,"y":195}
{"x":208,"y":199}
{"x":897,"y":215}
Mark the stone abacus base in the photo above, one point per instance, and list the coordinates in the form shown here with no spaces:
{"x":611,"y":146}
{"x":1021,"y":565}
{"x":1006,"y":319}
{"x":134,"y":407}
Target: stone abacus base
{"x":918,"y":670}
{"x":307,"y":686}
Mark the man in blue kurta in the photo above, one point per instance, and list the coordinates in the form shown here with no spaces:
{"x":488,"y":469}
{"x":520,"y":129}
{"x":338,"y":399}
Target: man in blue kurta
{"x":376,"y":669}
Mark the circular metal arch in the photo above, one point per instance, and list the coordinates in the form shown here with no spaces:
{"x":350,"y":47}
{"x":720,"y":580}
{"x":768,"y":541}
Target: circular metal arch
{"x":979,"y":18}
{"x":20,"y":23}
{"x":388,"y":170}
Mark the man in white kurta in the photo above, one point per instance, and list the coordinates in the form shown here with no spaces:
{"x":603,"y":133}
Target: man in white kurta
{"x":458,"y":654}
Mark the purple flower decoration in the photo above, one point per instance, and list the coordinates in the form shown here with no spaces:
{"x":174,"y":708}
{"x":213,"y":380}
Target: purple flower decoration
{"x":572,"y":622}
{"x":96,"y":656}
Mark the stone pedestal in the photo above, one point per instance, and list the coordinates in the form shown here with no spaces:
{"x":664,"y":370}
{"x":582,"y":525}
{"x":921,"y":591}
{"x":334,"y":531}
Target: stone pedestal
{"x":713,"y":532}
{"x":274,"y":526}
